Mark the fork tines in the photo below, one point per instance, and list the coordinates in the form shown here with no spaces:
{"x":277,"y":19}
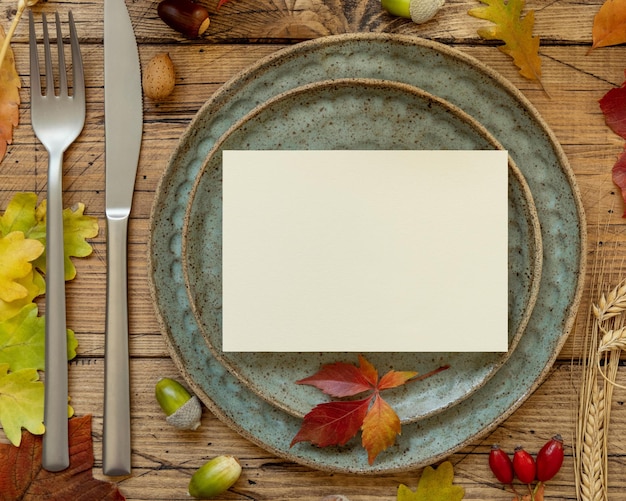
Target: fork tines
{"x":78,"y":84}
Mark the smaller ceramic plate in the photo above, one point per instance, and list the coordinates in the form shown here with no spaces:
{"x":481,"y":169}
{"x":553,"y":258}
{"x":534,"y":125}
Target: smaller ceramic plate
{"x":354,"y":114}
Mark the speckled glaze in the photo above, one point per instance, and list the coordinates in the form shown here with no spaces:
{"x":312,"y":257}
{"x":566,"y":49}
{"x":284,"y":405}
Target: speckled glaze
{"x":354,"y":114}
{"x":495,"y":103}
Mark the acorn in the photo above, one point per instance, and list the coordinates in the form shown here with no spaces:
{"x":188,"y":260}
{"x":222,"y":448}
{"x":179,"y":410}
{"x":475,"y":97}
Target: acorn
{"x":214,"y":477}
{"x":182,"y":409}
{"x":187,"y":17}
{"x":419,"y":11}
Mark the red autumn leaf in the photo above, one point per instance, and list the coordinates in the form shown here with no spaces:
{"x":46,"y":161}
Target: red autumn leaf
{"x":380,"y":428}
{"x":613,"y":106}
{"x":342,"y":379}
{"x":222,"y":2}
{"x":333,"y":423}
{"x":22,"y":477}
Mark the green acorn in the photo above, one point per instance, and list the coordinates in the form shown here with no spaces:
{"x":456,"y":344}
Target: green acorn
{"x":214,"y":477}
{"x":419,"y":11}
{"x":182,"y":409}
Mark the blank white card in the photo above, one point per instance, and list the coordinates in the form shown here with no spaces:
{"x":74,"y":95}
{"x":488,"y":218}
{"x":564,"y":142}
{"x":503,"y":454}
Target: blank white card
{"x":365,"y":251}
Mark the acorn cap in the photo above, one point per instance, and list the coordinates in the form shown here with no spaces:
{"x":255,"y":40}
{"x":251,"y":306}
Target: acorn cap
{"x":187,"y":416}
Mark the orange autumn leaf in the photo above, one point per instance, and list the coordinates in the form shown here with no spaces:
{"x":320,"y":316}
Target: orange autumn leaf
{"x":515,"y":31}
{"x":9,"y":98}
{"x":380,"y":428}
{"x":609,"y":24}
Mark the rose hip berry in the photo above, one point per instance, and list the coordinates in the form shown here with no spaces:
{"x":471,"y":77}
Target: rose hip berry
{"x":501,"y":465}
{"x":550,"y":459}
{"x":524,"y":465}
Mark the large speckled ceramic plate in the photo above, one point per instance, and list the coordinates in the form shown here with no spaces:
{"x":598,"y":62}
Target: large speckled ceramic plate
{"x":356,"y":114}
{"x":513,"y":121}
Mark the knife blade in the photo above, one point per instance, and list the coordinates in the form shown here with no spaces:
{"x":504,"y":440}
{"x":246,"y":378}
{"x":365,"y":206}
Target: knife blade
{"x":123,"y":117}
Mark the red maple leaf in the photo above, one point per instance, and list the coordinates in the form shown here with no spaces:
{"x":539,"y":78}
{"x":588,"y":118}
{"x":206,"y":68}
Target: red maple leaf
{"x":613,"y":106}
{"x":335,"y":423}
{"x":22,"y":477}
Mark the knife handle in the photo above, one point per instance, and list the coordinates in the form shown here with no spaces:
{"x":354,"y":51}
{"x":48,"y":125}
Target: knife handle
{"x":116,"y":432}
{"x":55,"y":452}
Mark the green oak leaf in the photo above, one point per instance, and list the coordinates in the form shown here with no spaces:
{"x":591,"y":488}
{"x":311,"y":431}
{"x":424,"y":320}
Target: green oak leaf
{"x":434,"y":485}
{"x":19,"y":214}
{"x":76,"y":229}
{"x":21,"y":402}
{"x":22,"y":340}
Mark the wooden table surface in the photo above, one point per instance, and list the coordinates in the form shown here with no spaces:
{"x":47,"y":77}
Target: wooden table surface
{"x":240,"y":34}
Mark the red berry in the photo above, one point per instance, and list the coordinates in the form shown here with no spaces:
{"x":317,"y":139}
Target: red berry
{"x":524,"y":465}
{"x":550,"y":459}
{"x":501,"y":465}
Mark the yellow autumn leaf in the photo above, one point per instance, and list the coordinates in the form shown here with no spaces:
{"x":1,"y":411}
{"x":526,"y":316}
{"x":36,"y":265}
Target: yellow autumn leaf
{"x":9,"y":98}
{"x":16,"y":255}
{"x":515,"y":31}
{"x":434,"y":485}
{"x":35,"y":286}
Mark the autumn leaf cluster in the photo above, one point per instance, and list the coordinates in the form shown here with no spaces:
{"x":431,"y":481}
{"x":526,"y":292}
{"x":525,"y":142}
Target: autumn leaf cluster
{"x":337,"y":422}
{"x":22,"y":329}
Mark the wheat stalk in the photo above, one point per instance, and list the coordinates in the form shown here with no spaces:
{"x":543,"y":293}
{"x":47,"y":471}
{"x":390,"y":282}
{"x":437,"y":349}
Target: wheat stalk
{"x":603,"y":344}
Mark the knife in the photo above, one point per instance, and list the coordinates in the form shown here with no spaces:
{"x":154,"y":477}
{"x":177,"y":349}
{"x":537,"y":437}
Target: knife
{"x":123,"y":120}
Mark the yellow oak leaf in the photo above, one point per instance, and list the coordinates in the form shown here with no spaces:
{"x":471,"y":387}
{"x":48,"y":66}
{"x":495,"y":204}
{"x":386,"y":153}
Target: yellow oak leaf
{"x":609,"y":24}
{"x":515,"y":31}
{"x":434,"y":485}
{"x":16,"y":255}
{"x":9,"y":98}
{"x":34,"y":285}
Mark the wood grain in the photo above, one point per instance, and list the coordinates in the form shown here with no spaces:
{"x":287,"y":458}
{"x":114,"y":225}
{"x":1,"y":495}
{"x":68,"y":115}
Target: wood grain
{"x":241,"y":33}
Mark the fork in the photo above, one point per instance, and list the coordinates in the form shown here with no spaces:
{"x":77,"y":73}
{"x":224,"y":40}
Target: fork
{"x":57,"y":120}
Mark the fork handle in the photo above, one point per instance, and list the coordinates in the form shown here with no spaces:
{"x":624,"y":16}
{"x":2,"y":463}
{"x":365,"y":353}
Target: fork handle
{"x":55,"y":452}
{"x":116,"y":432}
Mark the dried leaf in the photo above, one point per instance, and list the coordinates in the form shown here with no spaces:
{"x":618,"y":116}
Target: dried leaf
{"x":342,"y":379}
{"x":515,"y":31}
{"x":21,"y":403}
{"x":22,"y":477}
{"x":609,"y":24}
{"x":335,"y":423}
{"x":380,"y":428}
{"x":434,"y":485}
{"x":9,"y":98}
{"x":613,"y":106}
